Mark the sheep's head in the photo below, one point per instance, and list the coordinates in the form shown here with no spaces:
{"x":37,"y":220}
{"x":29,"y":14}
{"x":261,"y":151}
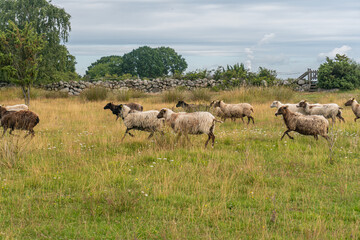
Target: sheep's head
{"x":162,"y":113}
{"x":302,"y":104}
{"x":274,"y":104}
{"x":117,"y":110}
{"x":282,"y":110}
{"x":180,"y":104}
{"x":349,"y":102}
{"x":109,"y":105}
{"x":215,"y":103}
{"x":2,"y":111}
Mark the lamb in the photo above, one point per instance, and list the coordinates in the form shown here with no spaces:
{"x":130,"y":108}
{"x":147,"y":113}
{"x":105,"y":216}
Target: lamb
{"x":354,"y":106}
{"x":191,"y":107}
{"x":17,"y":107}
{"x":234,"y":111}
{"x":132,"y":106}
{"x":331,"y":110}
{"x":292,"y":107}
{"x":190,"y":123}
{"x":144,"y":121}
{"x":304,"y":124}
{"x":22,"y":120}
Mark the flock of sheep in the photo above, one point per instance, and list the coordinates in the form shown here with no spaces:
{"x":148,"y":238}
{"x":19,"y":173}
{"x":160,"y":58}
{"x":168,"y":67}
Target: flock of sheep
{"x":304,"y":118}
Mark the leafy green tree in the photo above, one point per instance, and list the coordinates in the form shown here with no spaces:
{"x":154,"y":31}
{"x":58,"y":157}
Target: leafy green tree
{"x":340,"y":72}
{"x":49,"y":20}
{"x":109,"y":65}
{"x":19,"y":56}
{"x":267,"y":74}
{"x":152,"y":62}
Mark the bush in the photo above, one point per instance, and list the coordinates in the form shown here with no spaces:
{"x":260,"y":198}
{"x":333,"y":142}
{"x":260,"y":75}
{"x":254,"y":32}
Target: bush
{"x":122,"y":95}
{"x":94,"y":94}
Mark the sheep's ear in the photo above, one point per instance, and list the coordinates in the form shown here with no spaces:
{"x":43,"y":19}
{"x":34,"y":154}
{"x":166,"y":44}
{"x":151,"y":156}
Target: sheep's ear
{"x":305,"y":100}
{"x":353,"y":99}
{"x":285,"y":107}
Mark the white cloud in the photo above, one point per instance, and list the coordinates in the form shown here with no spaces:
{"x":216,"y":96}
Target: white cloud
{"x":266,"y":38}
{"x":341,"y":50}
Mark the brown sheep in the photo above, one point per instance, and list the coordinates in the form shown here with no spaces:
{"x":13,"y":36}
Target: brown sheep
{"x":354,"y":106}
{"x":115,"y":110}
{"x":304,"y":124}
{"x":22,"y":120}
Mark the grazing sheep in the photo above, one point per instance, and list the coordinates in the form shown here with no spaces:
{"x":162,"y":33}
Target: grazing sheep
{"x":132,"y":106}
{"x":22,"y":120}
{"x":354,"y":106}
{"x":17,"y":107}
{"x":234,"y":111}
{"x":143,"y":121}
{"x":190,"y":123}
{"x":304,"y":124}
{"x":292,"y":107}
{"x":331,"y":110}
{"x":191,"y":107}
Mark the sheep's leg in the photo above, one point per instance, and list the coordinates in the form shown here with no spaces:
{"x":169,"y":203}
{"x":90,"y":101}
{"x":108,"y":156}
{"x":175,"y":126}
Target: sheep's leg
{"x":341,"y":118}
{"x":213,"y":140}
{"x":212,"y":137}
{"x":326,"y":137}
{"x":30,"y":132}
{"x":207,"y":141}
{"x":126,"y":132}
{"x":252,"y":119}
{"x":242,"y":119}
{"x":151,"y":134}
{"x":5,"y":129}
{"x":178,"y":137}
{"x":286,"y":133}
{"x":132,"y":135}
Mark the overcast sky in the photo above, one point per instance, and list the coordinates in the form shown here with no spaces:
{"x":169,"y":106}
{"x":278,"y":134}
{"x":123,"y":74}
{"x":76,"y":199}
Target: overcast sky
{"x":286,"y":36}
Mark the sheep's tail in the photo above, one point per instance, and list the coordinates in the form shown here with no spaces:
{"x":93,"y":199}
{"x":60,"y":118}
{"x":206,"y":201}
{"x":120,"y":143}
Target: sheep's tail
{"x":216,"y":120}
{"x":252,"y":109}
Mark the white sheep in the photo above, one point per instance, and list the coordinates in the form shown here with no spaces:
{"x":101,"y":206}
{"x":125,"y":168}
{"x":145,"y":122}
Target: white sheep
{"x":234,"y":111}
{"x":331,"y":110}
{"x":190,"y":123}
{"x":292,"y":107}
{"x":143,"y":121}
{"x":17,"y":107}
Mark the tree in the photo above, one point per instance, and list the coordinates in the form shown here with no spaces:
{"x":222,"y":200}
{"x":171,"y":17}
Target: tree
{"x":340,"y":72}
{"x":153,"y":62}
{"x":19,"y":56}
{"x":109,"y":65}
{"x":49,"y":20}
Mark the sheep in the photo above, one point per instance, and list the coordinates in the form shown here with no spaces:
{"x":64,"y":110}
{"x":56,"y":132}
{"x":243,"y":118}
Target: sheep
{"x":191,"y":107}
{"x":219,"y":113}
{"x":331,"y":110}
{"x":132,"y":106}
{"x":354,"y":106}
{"x":143,"y":121}
{"x":292,"y":107}
{"x":304,"y":124}
{"x":234,"y":111}
{"x":17,"y":107}
{"x":190,"y":123}
{"x":22,"y":120}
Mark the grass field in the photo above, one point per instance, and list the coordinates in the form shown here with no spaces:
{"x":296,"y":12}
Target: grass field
{"x":76,"y":180}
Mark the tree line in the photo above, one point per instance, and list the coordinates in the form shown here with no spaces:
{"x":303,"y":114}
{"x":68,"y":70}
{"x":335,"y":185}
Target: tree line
{"x":32,"y":50}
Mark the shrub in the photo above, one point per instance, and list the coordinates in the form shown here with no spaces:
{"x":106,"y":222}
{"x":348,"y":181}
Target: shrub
{"x":122,"y":95}
{"x":94,"y":94}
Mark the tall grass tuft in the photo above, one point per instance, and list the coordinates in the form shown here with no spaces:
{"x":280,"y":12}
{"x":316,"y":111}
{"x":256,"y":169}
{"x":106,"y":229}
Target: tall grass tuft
{"x":122,"y":95}
{"x":258,"y":94}
{"x":200,"y":94}
{"x":94,"y":94}
{"x":12,"y":151}
{"x":173,"y":96}
{"x":54,"y":95}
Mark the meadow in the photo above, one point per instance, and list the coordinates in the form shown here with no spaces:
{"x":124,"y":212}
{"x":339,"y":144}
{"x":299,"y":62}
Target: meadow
{"x":76,"y":180}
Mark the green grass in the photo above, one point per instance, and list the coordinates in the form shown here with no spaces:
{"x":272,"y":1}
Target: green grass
{"x":76,"y":180}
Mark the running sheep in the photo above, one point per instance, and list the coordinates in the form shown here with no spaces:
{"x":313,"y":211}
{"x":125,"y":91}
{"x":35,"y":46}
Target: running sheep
{"x":132,"y":106}
{"x":22,"y":120}
{"x":234,"y":111}
{"x":190,"y":123}
{"x":331,"y":110}
{"x":292,"y":107}
{"x":313,"y":125}
{"x":355,"y":107}
{"x":143,"y":121}
{"x":17,"y":107}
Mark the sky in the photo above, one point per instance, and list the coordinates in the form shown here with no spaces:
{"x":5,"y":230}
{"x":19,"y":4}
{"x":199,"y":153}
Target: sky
{"x":286,"y":36}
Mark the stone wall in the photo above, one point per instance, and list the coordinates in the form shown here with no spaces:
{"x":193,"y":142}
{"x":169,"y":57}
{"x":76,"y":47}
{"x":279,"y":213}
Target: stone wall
{"x":150,"y":86}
